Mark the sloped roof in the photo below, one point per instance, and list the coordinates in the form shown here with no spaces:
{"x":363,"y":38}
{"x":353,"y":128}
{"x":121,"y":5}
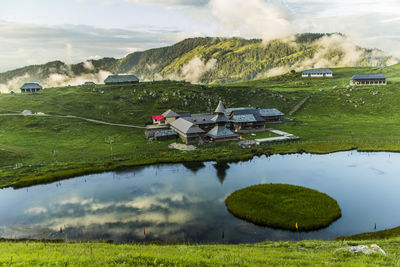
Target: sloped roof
{"x":267,"y":112}
{"x":169,"y":114}
{"x":220,"y":108}
{"x":220,"y":118}
{"x":185,"y":126}
{"x":221,"y":132}
{"x":31,"y":86}
{"x":130,"y":78}
{"x":316,"y":71}
{"x":368,"y":76}
{"x":157,"y":117}
{"x":89,"y":83}
{"x":200,"y":119}
{"x":228,"y":111}
{"x":247,"y":115}
{"x":164,"y":133}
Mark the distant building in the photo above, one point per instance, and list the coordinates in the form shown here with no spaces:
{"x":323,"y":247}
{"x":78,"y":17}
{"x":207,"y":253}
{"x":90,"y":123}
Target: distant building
{"x":203,"y":120}
{"x":121,"y":79}
{"x":31,"y":88}
{"x":158,"y":119}
{"x":220,"y":132}
{"x":189,"y":132}
{"x":368,"y":79}
{"x":89,"y":83}
{"x":250,"y":118}
{"x":271,"y":114}
{"x":170,"y":116}
{"x":317,"y":73}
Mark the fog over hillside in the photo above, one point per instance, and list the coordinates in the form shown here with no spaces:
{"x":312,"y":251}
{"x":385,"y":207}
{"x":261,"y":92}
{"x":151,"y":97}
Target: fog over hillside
{"x":208,"y":60}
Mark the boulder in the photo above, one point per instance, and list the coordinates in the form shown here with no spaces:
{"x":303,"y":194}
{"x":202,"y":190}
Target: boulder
{"x":372,"y":249}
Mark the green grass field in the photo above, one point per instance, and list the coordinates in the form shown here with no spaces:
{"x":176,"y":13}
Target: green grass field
{"x":336,"y":117}
{"x":304,"y":253}
{"x":284,"y":206}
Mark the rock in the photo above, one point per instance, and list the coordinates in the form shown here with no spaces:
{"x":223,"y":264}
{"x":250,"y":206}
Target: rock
{"x":372,"y":249}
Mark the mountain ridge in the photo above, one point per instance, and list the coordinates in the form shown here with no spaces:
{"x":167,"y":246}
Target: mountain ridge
{"x":208,"y":60}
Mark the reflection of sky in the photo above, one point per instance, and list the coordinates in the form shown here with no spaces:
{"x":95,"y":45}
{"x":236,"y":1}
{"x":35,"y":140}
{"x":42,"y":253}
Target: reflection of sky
{"x":178,"y":203}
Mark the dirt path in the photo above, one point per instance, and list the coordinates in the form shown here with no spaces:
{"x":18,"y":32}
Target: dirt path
{"x":79,"y":118}
{"x":298,"y":106}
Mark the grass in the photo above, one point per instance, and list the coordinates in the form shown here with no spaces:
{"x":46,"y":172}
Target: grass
{"x":384,"y":234}
{"x":362,"y":118}
{"x":284,"y":206}
{"x":304,"y":253}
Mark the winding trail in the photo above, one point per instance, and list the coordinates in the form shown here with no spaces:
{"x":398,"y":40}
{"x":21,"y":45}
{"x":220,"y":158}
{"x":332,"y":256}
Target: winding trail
{"x":77,"y":117}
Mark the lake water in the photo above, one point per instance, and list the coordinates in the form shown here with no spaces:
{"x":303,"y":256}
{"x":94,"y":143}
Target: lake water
{"x":178,"y":203}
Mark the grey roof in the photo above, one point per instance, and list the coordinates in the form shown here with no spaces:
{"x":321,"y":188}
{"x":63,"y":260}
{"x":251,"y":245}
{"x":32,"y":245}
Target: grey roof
{"x":200,"y":119}
{"x":270,"y":112}
{"x":317,"y":71}
{"x":220,"y":118}
{"x":228,"y":111}
{"x":185,"y":126}
{"x":221,"y":132}
{"x":89,"y":83}
{"x":130,"y":78}
{"x":368,"y":76}
{"x":31,"y":86}
{"x":244,"y":118}
{"x":247,"y":115}
{"x":169,"y":114}
{"x":220,"y":108}
{"x":164,"y":133}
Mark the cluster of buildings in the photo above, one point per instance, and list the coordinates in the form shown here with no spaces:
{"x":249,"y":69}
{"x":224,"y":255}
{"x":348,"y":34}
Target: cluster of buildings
{"x":358,"y":79}
{"x":223,"y":125}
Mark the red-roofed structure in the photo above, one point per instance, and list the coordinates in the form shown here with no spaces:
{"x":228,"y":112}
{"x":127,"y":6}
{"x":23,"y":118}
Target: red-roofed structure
{"x":158,"y":118}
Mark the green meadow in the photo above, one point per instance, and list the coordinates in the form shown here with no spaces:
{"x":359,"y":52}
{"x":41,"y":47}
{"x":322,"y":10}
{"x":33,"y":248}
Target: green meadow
{"x":40,"y":149}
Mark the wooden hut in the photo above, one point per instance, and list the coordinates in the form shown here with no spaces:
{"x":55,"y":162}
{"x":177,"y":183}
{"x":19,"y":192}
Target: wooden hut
{"x":121,"y":79}
{"x":31,"y":88}
{"x":315,"y":73}
{"x":368,"y":79}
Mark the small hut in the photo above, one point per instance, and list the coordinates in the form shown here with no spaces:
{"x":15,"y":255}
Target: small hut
{"x":368,"y":79}
{"x":89,"y":83}
{"x":31,"y":88}
{"x":121,"y":79}
{"x":314,"y":73}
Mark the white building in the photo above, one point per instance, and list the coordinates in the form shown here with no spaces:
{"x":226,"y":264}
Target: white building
{"x":317,"y":73}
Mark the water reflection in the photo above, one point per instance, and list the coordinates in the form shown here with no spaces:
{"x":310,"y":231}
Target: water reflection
{"x":221,"y":168}
{"x":194,"y":166}
{"x":177,"y":203}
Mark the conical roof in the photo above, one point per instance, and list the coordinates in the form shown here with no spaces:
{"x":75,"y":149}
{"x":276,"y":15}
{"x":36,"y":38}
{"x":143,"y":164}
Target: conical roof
{"x":220,"y":108}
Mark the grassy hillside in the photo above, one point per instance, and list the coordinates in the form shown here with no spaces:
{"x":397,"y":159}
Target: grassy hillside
{"x":335,"y":118}
{"x":305,"y":253}
{"x":207,"y":60}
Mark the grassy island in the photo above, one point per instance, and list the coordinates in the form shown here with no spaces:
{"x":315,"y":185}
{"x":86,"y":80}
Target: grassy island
{"x":283,"y":206}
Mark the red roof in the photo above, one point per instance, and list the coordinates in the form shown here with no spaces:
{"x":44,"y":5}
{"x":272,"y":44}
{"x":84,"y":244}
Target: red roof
{"x":157,"y":117}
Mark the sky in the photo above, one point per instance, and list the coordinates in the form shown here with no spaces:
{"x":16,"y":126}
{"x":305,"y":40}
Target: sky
{"x":38,"y":31}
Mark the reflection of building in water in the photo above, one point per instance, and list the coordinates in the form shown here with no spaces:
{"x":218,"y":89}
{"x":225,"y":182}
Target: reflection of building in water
{"x":194,"y":166}
{"x":221,"y":168}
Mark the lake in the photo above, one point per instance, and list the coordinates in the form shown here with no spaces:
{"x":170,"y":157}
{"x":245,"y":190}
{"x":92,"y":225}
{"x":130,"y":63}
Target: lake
{"x":185,"y":203}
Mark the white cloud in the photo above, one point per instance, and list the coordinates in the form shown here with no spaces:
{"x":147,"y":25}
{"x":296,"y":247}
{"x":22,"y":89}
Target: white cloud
{"x":252,"y":18}
{"x":25,"y":44}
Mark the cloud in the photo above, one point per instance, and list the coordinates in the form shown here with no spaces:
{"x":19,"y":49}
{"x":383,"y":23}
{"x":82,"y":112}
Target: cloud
{"x":26,"y":44}
{"x":168,"y":3}
{"x":252,"y":18}
{"x":192,"y":72}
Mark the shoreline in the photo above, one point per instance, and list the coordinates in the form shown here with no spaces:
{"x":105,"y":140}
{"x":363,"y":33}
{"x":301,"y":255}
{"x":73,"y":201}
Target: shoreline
{"x":70,"y":173}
